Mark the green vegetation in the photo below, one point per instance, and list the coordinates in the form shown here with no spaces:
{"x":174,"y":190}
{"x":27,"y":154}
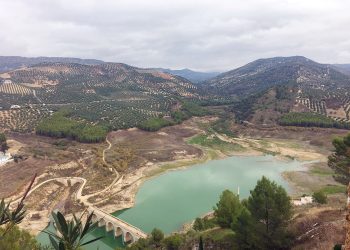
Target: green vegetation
{"x":11,"y":237}
{"x":320,"y":197}
{"x":179,"y":116}
{"x":333,"y":189}
{"x":244,"y":108}
{"x":339,"y":161}
{"x":155,"y":124}
{"x":212,"y":141}
{"x":9,"y":218}
{"x":311,"y":120}
{"x":227,"y":209}
{"x":193,"y":109}
{"x":71,"y":233}
{"x":157,"y":236}
{"x":3,"y":143}
{"x":271,"y":211}
{"x":16,"y":239}
{"x":187,"y":110}
{"x":201,"y":224}
{"x":322,"y":171}
{"x":223,"y":126}
{"x":173,"y":242}
{"x":59,"y":125}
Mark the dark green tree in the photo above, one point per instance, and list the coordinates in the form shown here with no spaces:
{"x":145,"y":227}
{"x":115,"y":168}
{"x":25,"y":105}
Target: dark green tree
{"x":3,"y":143}
{"x":157,"y":236}
{"x":244,"y":230}
{"x":271,"y":211}
{"x":227,"y":209}
{"x":201,"y":244}
{"x":340,"y":159}
{"x":173,"y":242}
{"x":198,"y":224}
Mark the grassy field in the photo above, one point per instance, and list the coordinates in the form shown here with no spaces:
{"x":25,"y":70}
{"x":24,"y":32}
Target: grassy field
{"x":333,"y":189}
{"x":213,"y":142}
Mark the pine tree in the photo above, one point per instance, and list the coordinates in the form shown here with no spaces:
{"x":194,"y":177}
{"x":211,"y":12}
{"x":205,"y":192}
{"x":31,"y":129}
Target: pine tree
{"x":227,"y":209}
{"x":271,"y":210}
{"x":340,"y":159}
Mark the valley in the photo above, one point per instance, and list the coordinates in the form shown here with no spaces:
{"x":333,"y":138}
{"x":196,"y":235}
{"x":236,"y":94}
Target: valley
{"x":109,"y":135}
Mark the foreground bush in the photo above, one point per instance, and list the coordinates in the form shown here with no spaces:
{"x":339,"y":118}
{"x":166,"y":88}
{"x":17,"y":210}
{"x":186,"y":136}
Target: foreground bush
{"x":16,"y":239}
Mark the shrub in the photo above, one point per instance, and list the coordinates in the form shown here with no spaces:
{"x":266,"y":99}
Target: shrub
{"x":16,"y":239}
{"x":157,"y":235}
{"x":320,"y":197}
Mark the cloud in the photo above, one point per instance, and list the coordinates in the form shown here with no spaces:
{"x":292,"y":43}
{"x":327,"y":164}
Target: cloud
{"x":204,"y":35}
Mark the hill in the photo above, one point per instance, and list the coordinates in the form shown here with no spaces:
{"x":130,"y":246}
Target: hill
{"x":193,"y":76}
{"x":8,"y":63}
{"x":266,"y":89}
{"x":265,"y":73}
{"x":113,"y":94}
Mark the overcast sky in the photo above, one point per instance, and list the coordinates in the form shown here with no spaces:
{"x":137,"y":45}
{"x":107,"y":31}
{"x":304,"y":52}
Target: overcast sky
{"x":204,"y":35}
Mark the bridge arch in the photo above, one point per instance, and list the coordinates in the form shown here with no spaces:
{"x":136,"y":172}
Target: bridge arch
{"x":109,"y":226}
{"x":101,"y":222}
{"x":94,"y":218}
{"x":118,"y":232}
{"x":128,"y":238}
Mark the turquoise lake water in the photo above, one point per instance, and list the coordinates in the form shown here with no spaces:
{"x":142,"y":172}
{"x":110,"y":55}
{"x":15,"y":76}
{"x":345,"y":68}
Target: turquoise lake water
{"x":177,"y":197}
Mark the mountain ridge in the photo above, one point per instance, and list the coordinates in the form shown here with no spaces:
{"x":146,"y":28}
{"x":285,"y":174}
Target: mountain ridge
{"x":8,"y":63}
{"x":264,"y":73}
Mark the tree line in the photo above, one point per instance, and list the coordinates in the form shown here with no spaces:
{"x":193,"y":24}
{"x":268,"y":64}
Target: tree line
{"x":307,"y":119}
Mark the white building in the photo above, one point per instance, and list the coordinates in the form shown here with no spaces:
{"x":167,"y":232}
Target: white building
{"x":303,"y":201}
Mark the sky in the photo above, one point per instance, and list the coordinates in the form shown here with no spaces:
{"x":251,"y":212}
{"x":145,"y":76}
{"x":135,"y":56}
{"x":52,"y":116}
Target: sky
{"x":204,"y":35}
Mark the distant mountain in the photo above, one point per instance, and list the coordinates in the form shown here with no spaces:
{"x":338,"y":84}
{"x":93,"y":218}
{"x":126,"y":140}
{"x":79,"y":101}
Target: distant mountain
{"x":193,"y":76}
{"x":344,"y":68}
{"x":264,"y":73}
{"x":8,"y":63}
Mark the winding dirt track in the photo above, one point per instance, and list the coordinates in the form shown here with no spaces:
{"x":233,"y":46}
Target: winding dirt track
{"x":79,"y":196}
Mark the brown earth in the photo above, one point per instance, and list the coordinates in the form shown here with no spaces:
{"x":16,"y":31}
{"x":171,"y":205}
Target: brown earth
{"x":137,"y":147}
{"x":319,"y":228}
{"x":320,"y":137}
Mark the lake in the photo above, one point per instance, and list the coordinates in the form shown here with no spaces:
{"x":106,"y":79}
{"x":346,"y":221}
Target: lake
{"x":176,"y":197}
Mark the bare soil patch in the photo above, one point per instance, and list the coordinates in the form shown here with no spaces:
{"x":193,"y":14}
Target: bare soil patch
{"x":135,"y":148}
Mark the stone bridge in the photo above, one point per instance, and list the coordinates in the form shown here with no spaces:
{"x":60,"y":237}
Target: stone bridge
{"x":128,"y":232}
